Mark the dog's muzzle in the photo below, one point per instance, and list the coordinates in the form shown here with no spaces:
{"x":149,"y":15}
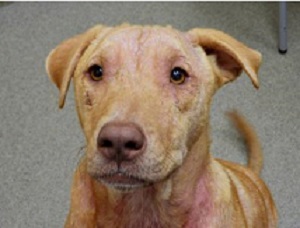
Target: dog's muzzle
{"x":120,"y":143}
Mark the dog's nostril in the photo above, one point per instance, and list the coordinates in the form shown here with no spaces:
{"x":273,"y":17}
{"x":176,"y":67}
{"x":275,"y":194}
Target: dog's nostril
{"x":106,"y":143}
{"x":132,"y":145}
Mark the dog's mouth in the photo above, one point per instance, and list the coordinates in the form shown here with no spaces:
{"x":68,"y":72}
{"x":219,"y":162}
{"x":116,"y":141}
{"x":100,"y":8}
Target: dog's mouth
{"x":122,"y":181}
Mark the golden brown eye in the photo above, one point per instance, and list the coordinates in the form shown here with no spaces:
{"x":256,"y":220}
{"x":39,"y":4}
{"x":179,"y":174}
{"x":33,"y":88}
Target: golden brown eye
{"x":96,"y":72}
{"x":178,"y":75}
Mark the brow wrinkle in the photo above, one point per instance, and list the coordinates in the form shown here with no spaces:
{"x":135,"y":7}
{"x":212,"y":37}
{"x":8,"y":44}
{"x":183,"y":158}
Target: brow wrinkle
{"x":141,"y":39}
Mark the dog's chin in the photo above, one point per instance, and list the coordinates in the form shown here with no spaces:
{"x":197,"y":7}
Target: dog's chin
{"x":123,"y":182}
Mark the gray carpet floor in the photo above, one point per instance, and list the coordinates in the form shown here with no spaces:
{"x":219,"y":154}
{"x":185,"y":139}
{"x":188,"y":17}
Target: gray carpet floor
{"x":40,"y":144}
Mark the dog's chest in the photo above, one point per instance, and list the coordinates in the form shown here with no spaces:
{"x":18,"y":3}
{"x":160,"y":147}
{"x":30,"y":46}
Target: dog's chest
{"x":133,"y":218}
{"x":139,"y":211}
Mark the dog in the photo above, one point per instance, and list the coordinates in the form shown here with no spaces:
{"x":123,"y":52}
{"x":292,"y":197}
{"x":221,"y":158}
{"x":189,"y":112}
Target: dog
{"x":143,"y":97}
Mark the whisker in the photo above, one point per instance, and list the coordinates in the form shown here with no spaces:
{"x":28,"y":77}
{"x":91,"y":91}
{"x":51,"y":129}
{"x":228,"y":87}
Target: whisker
{"x":80,"y":154}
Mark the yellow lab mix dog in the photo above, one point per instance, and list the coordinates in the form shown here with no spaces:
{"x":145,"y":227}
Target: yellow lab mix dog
{"x":143,"y":96}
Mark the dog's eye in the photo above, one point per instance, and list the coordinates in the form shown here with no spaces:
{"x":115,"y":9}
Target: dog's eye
{"x":96,"y":72}
{"x":178,"y":75}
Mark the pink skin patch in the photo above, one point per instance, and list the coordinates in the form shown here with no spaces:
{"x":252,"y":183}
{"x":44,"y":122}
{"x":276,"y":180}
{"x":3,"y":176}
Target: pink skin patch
{"x":201,"y":211}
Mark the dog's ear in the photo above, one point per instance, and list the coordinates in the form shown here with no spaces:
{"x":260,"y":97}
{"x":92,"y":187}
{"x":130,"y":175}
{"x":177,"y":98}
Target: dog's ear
{"x":61,"y":61}
{"x":228,"y":56}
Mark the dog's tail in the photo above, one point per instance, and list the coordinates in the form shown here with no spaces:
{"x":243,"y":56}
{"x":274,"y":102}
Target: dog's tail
{"x":255,"y":157}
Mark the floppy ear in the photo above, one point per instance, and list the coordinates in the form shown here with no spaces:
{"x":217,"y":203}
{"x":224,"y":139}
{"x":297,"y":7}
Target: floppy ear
{"x":61,"y":61}
{"x":228,"y":56}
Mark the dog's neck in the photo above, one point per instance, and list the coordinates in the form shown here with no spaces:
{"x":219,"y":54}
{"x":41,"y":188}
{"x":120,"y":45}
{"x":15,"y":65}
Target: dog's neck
{"x":168,"y":203}
{"x":191,"y":194}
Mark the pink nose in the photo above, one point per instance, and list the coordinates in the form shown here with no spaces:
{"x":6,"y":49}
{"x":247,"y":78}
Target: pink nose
{"x":121,"y":141}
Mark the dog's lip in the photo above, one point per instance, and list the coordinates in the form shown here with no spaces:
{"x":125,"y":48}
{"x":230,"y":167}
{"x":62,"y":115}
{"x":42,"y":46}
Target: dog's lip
{"x":123,"y":179}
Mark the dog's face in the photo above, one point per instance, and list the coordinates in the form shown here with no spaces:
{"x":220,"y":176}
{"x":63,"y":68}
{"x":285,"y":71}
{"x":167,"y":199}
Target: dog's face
{"x":152,"y":78}
{"x":143,"y":96}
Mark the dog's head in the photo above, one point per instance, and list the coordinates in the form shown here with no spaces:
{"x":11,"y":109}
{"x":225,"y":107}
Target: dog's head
{"x":143,"y":94}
